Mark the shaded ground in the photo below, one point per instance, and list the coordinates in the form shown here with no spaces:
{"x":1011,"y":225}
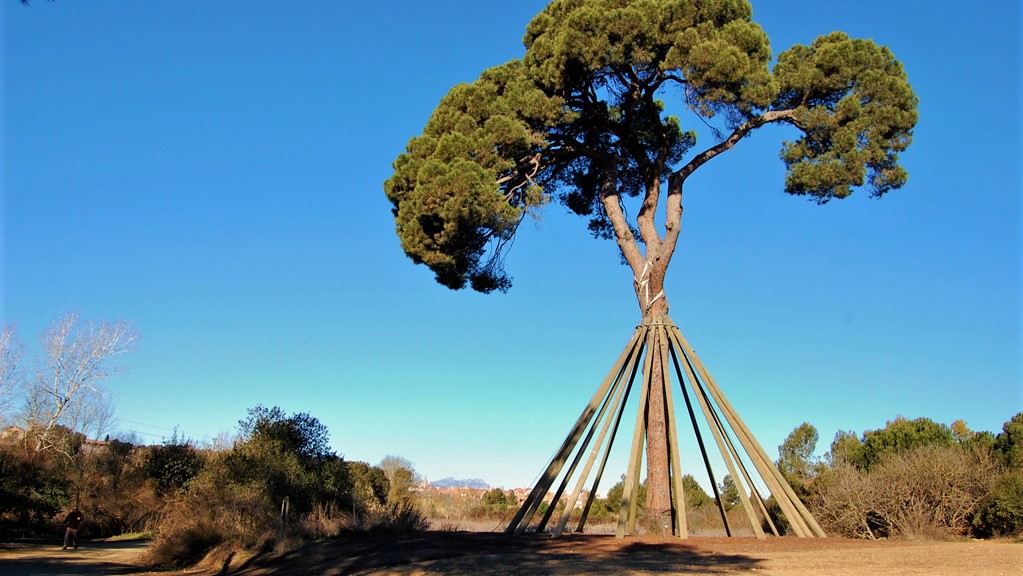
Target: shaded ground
{"x":464,"y":553}
{"x":474,"y":553}
{"x":91,"y":558}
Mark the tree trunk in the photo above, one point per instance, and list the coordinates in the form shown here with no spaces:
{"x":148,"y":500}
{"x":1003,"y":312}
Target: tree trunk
{"x":658,"y":487}
{"x":649,"y":270}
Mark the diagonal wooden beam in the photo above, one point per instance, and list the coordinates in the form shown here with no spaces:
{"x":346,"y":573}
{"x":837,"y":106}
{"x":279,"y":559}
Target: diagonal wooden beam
{"x":691,"y":378}
{"x":680,"y":524}
{"x":521,"y":519}
{"x":630,"y":490}
{"x":801,"y":520}
{"x":607,"y":451}
{"x":616,"y":398}
{"x":718,"y":431}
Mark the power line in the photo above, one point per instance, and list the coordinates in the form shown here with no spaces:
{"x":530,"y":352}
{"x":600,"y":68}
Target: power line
{"x":175,"y":430}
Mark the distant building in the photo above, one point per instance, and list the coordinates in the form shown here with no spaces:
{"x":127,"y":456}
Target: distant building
{"x":12,"y":434}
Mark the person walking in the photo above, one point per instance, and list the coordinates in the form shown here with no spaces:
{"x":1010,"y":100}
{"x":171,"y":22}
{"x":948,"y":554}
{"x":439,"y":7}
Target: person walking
{"x":71,"y":525}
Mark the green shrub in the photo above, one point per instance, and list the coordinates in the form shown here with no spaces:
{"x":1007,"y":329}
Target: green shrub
{"x":172,"y":465}
{"x":1001,"y":514}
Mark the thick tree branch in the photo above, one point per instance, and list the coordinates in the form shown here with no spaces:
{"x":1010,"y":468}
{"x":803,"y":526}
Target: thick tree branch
{"x":623,"y":234}
{"x":738,"y":134}
{"x":673,"y":221}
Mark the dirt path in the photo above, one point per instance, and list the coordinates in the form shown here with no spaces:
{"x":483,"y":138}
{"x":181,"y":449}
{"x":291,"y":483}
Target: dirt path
{"x":91,"y":558}
{"x":482,"y":553}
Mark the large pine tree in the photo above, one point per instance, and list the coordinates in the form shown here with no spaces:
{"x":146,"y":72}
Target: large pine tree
{"x":582,"y":119}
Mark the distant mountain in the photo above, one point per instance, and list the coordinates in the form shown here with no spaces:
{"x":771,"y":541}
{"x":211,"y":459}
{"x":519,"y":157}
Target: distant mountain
{"x":474,"y":483}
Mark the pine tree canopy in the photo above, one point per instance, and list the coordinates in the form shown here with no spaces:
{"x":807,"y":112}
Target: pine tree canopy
{"x":581,"y":119}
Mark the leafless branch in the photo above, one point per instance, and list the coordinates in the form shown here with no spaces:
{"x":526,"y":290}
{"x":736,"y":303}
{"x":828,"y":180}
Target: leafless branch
{"x":67,"y":388}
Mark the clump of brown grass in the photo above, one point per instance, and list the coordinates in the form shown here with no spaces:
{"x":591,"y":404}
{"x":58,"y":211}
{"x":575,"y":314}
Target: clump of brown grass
{"x":401,"y":520}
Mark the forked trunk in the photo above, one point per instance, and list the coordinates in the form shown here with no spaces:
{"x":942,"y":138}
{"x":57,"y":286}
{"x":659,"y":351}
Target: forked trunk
{"x":649,"y":270}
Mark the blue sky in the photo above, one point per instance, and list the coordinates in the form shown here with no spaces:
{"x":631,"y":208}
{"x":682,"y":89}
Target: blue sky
{"x":212,"y":172}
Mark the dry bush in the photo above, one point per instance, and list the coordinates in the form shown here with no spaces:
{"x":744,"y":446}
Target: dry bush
{"x":213,"y":514}
{"x":324,"y":521}
{"x":844,"y":502}
{"x":183,"y":544}
{"x":931,"y":491}
{"x":928,"y":492}
{"x":403,"y":519}
{"x":118,"y":495}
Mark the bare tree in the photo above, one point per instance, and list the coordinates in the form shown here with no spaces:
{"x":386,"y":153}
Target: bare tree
{"x":92,"y":416}
{"x":11,"y":352}
{"x":67,"y":388}
{"x":401,"y":477}
{"x":390,"y":464}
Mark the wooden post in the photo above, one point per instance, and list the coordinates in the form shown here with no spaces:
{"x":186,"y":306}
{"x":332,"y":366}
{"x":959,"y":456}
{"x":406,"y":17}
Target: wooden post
{"x":691,"y":378}
{"x":718,"y":431}
{"x":610,"y":443}
{"x":284,"y":519}
{"x":618,"y":393}
{"x":680,"y":524}
{"x":630,"y":489}
{"x":786,"y":497}
{"x":608,"y":401}
{"x":524,"y":515}
{"x":656,"y":340}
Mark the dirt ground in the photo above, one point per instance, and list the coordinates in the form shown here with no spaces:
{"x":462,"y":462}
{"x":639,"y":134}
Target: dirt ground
{"x":91,"y":558}
{"x":464,"y":553}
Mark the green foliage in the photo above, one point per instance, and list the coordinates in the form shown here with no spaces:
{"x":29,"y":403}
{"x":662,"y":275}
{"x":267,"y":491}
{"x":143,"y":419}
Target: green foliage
{"x":857,"y":111}
{"x":172,"y":465}
{"x":299,"y":434}
{"x":795,"y":458}
{"x":236,"y":499}
{"x":729,"y":492}
{"x":1002,"y":512}
{"x":402,"y":480}
{"x":370,"y":486}
{"x":448,"y":203}
{"x":495,"y":499}
{"x":696,"y":496}
{"x":982,"y":440}
{"x":573,"y":46}
{"x":901,"y":435}
{"x":1009,"y":443}
{"x":614,"y":495}
{"x":845,"y":448}
{"x":580,"y":118}
{"x":287,"y":456}
{"x":34,"y":487}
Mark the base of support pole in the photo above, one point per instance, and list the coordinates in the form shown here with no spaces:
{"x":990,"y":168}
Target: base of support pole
{"x":657,"y":344}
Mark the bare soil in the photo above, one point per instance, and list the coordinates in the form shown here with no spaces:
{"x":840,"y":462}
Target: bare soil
{"x":91,"y":558}
{"x":464,"y":553}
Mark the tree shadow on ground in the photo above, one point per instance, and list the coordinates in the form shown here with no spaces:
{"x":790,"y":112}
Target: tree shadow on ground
{"x":477,"y":553}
